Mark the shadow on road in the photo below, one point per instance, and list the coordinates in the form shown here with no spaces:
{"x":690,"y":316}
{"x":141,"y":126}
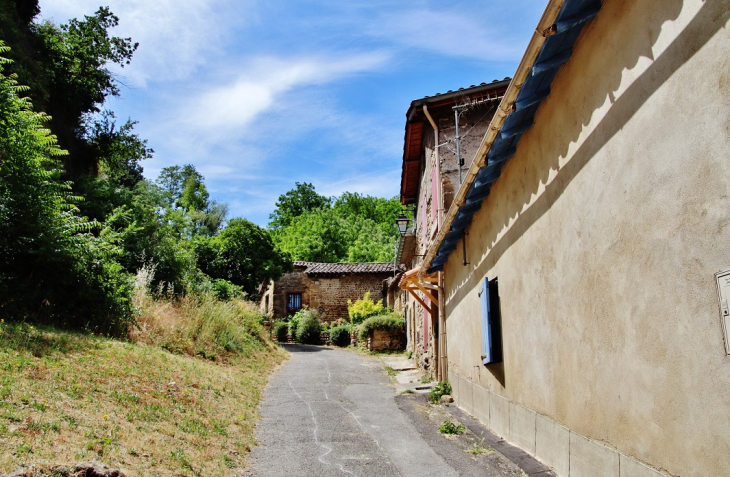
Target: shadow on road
{"x":299,"y":348}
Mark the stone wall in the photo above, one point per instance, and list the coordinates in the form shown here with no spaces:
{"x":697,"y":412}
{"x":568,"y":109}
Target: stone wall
{"x":326,"y":294}
{"x":331,"y":293}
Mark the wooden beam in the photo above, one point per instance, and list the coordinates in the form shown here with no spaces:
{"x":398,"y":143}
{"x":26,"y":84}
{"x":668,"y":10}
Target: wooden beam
{"x":426,"y":292}
{"x":418,"y":298}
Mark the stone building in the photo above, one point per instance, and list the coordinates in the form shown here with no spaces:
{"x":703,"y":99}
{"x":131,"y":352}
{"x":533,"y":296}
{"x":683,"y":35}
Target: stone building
{"x":325,"y":287}
{"x":442,"y":136}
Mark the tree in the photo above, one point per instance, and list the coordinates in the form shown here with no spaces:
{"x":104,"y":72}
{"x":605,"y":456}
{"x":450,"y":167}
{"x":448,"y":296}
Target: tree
{"x":188,"y":202}
{"x":51,"y":268}
{"x":119,"y":150}
{"x":325,"y":235}
{"x":76,"y":79}
{"x":244,"y":254}
{"x":294,"y":203}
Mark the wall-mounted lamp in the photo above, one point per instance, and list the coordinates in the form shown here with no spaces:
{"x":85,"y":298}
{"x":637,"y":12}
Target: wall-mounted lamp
{"x":402,"y":223}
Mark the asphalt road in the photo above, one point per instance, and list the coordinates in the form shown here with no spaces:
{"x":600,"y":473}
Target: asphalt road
{"x":330,"y":412}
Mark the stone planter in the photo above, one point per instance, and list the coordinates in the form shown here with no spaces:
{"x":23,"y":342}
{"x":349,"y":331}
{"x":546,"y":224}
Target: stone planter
{"x":385,"y":341}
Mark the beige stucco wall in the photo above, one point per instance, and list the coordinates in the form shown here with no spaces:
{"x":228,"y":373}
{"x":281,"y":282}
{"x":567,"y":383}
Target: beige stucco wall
{"x":605,"y":231}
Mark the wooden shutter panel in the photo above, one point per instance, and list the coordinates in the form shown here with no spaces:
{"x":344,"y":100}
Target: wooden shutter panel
{"x":491,"y":329}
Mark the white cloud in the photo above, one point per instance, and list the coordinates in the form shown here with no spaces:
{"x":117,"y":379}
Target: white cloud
{"x":235,"y":105}
{"x":447,"y":33}
{"x":176,"y":36}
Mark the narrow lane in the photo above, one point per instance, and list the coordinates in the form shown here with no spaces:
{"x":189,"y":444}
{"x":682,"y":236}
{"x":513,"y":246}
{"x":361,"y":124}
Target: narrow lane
{"x":330,"y":412}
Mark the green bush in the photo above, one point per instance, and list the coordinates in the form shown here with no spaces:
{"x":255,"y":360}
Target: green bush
{"x":225,"y":290}
{"x":340,"y":335}
{"x":364,"y":308}
{"x":308,"y":328}
{"x":281,"y":330}
{"x":392,"y":323}
{"x":294,"y":321}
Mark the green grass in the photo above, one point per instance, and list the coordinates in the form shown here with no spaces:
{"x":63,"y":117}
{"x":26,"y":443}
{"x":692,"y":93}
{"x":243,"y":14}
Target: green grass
{"x":68,"y":397}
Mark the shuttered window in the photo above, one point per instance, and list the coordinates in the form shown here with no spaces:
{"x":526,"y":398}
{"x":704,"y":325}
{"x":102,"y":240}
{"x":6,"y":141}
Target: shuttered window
{"x":491,"y":322}
{"x":294,"y":301}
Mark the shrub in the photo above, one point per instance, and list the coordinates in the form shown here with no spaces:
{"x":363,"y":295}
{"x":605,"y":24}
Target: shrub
{"x":363,"y":309}
{"x":294,"y":321}
{"x":441,"y":389}
{"x":281,"y":330}
{"x":340,"y":335}
{"x":392,"y":323}
{"x":225,"y":290}
{"x":309,"y":328}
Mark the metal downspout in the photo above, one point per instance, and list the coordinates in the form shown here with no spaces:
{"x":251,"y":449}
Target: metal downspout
{"x":441,"y":357}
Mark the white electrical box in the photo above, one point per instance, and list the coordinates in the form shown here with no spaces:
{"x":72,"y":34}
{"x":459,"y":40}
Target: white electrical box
{"x":723,"y":292}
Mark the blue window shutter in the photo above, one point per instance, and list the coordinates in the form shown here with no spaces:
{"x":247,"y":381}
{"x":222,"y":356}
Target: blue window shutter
{"x":486,"y":332}
{"x":491,"y":332}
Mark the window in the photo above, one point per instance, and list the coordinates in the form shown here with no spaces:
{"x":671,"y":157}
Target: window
{"x":491,"y":322}
{"x":293,"y":302}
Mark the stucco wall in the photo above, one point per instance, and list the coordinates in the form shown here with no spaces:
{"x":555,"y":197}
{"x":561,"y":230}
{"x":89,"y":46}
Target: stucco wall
{"x":605,"y":230}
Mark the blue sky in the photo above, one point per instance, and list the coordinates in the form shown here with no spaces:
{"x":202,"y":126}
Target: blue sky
{"x":259,"y":95}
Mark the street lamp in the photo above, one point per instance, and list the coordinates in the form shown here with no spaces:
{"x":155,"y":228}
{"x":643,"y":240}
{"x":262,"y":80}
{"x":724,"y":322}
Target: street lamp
{"x":402,"y":222}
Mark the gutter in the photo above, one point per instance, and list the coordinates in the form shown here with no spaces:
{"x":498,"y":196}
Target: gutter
{"x":506,"y":106}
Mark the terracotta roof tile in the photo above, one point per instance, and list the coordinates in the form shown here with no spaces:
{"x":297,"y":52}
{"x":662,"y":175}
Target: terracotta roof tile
{"x":316,"y":268}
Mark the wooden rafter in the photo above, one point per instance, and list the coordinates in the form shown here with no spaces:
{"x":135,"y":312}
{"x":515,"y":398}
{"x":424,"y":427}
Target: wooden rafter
{"x":412,"y":284}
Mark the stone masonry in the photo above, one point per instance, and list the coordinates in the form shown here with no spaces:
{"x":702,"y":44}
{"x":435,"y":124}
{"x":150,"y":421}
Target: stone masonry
{"x":326,"y":287}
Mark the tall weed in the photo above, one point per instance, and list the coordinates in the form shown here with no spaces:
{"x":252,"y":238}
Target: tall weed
{"x":203,"y":326}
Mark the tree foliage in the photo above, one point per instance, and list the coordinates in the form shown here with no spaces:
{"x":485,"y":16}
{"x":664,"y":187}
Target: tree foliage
{"x":349,"y":228}
{"x":300,"y":200}
{"x":52,"y":268}
{"x":244,"y":254}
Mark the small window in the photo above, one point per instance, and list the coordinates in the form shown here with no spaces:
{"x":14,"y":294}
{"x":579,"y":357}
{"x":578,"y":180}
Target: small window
{"x":294,"y":302}
{"x":491,"y":322}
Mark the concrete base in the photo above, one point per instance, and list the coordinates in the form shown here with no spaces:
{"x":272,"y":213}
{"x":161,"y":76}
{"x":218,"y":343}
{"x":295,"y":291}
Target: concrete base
{"x":569,"y":454}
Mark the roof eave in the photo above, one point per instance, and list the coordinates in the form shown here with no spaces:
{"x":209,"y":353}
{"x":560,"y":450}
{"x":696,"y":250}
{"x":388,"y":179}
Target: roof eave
{"x":506,"y":106}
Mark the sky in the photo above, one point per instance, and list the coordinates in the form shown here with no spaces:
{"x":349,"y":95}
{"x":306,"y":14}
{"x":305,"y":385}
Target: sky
{"x":258,"y":95}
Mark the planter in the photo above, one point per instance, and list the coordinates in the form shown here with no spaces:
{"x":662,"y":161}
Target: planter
{"x":385,"y":341}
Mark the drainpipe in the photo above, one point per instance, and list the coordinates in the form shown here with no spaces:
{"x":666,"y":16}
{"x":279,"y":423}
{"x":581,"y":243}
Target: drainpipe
{"x":441,"y":372}
{"x":458,"y":142}
{"x":440,"y":210}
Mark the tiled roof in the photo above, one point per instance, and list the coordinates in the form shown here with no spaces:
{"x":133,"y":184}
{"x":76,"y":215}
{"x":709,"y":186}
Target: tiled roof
{"x":316,"y":268}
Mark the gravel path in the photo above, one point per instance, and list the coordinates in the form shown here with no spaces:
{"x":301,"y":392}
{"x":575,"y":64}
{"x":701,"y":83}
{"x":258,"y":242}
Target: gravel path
{"x":330,"y":412}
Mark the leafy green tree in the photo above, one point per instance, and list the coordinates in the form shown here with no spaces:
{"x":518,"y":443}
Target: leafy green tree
{"x":319,"y":235}
{"x":76,"y":78}
{"x":326,"y":235}
{"x":303,"y":198}
{"x":244,"y":254}
{"x":51,"y":268}
{"x":188,"y":202}
{"x":119,"y":150}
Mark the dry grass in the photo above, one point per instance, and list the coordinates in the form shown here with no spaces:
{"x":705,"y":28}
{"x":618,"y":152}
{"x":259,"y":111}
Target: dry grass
{"x":68,"y":398}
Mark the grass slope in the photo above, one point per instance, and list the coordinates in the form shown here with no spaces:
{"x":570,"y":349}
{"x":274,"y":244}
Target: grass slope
{"x":69,"y":397}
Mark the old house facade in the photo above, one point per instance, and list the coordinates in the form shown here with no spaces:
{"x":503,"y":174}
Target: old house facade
{"x":582,"y":266}
{"x":443,"y":132}
{"x":325,"y":287}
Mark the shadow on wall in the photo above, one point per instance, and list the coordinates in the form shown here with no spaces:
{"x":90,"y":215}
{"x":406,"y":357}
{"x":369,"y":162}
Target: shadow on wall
{"x":712,"y":17}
